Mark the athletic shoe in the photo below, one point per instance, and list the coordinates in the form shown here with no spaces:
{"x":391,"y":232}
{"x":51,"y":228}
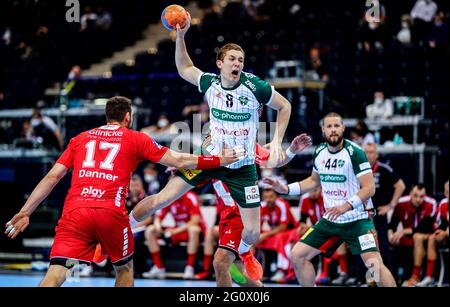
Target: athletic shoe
{"x":203,"y":275}
{"x":412,"y":282}
{"x":426,"y":282}
{"x":86,"y":271}
{"x":188,"y":272}
{"x":155,"y":272}
{"x":278,"y":276}
{"x":340,"y":280}
{"x":236,"y":275}
{"x":252,"y":266}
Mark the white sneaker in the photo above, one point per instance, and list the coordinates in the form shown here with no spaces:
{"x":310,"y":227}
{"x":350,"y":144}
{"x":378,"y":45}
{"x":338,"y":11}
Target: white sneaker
{"x":188,"y":272}
{"x":155,"y":272}
{"x":426,"y":282}
{"x":86,"y":271}
{"x":278,"y":276}
{"x":340,"y":280}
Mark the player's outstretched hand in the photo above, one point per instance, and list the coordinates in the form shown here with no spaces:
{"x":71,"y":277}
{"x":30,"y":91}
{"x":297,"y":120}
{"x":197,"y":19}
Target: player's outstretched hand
{"x":181,"y":32}
{"x":276,"y":185}
{"x":17,"y":224}
{"x":231,"y":155}
{"x":277,"y":155}
{"x":300,"y":142}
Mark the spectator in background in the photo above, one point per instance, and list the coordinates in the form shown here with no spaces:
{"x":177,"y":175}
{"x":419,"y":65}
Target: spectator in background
{"x":189,"y":225}
{"x":438,"y":35}
{"x":422,"y":15}
{"x":315,"y":69}
{"x":162,"y":127}
{"x":255,"y":9}
{"x":361,"y":134}
{"x":439,"y":238}
{"x":381,"y":108}
{"x":43,"y":129}
{"x":373,"y":32}
{"x":416,"y":213}
{"x":151,"y":179}
{"x":404,"y":35}
{"x":104,"y":19}
{"x":88,"y":19}
{"x":202,"y":109}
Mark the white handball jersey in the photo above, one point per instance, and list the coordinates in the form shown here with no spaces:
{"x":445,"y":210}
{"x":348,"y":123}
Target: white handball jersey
{"x":339,"y":174}
{"x":234,"y":112}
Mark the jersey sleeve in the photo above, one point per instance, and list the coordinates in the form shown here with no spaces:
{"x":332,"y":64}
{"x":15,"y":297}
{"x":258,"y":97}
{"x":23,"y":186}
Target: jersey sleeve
{"x":205,"y":81}
{"x":149,"y":149}
{"x":361,"y":165}
{"x":67,"y":156}
{"x":316,"y":153}
{"x":262,"y":90}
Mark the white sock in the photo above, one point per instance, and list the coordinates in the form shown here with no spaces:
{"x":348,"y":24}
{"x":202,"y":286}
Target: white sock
{"x":243,"y":247}
{"x":133,"y":221}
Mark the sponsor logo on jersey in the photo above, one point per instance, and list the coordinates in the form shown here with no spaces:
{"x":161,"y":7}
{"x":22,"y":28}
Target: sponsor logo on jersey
{"x":190,"y":173}
{"x":350,"y":150}
{"x":250,"y":85}
{"x":341,"y":163}
{"x":91,"y":192}
{"x":252,"y":194}
{"x":367,"y":241}
{"x":364,"y":165}
{"x":243,"y":100}
{"x":336,"y":193}
{"x":230,"y":116}
{"x":332,"y":178}
{"x":238,"y":132}
{"x":105,"y":132}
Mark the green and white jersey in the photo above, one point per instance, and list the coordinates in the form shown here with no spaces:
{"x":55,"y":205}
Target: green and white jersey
{"x":234,"y":112}
{"x":339,"y":174}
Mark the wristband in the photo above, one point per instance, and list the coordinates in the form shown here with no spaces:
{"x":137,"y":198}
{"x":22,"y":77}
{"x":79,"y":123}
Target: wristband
{"x":355,"y":201}
{"x":294,"y":189}
{"x":208,"y":162}
{"x":289,"y":153}
{"x":133,"y":221}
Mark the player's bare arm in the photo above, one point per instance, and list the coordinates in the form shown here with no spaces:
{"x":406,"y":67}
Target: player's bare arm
{"x":295,"y":188}
{"x":367,"y":190}
{"x":283,"y":107}
{"x":20,"y":221}
{"x":184,"y":64}
{"x":298,"y":144}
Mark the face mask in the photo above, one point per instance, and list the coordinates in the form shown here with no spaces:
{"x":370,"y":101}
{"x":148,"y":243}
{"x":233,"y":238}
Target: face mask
{"x":378,"y":101}
{"x":373,"y":25}
{"x":162,"y":123}
{"x":35,"y":122}
{"x":405,"y":25}
{"x":148,"y":177}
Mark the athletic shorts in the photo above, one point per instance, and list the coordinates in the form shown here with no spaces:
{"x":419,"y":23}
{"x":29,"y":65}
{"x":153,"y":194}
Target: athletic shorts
{"x":180,"y":237}
{"x":79,"y":231}
{"x":230,"y":233}
{"x":326,"y":236}
{"x":242,"y":182}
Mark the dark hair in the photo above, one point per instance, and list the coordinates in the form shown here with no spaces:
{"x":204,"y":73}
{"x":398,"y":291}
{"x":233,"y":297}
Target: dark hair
{"x":331,"y":114}
{"x":116,"y":108}
{"x":419,"y":186}
{"x":227,"y":47}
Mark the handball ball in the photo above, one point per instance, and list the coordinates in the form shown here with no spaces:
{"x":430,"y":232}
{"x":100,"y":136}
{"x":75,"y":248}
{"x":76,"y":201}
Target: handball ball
{"x":173,"y":15}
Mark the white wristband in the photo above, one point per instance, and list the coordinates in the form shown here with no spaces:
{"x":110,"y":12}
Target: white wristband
{"x":294,"y":189}
{"x":289,"y":153}
{"x":133,"y":221}
{"x":355,"y":201}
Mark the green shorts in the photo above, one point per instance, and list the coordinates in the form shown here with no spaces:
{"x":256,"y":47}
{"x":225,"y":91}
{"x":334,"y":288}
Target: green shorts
{"x":326,"y":236}
{"x":242,"y":182}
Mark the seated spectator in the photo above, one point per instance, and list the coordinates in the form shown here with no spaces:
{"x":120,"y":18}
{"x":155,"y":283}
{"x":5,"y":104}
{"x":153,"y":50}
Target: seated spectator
{"x":373,"y":32}
{"x":315,"y":68}
{"x":404,"y":35}
{"x":104,"y":19}
{"x":361,"y":134}
{"x":381,"y":108}
{"x":42,"y":129}
{"x":162,"y":127}
{"x":88,"y":19}
{"x":189,"y":225}
{"x":276,"y":218}
{"x":151,"y":178}
{"x":422,"y":15}
{"x":439,"y":238}
{"x":438,"y":35}
{"x":416,"y":213}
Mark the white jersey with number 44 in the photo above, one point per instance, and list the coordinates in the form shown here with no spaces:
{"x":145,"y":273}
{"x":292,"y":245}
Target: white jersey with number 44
{"x":339,"y":172}
{"x":234,"y":112}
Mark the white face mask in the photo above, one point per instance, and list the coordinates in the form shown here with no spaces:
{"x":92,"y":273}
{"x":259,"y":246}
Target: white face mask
{"x":405,"y":25}
{"x":163,"y":122}
{"x":149,"y":177}
{"x":35,"y":122}
{"x":378,"y":100}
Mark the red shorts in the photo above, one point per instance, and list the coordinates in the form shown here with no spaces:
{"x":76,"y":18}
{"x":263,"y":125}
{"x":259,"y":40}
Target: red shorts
{"x":230,"y":233}
{"x":79,"y":231}
{"x":182,"y":236}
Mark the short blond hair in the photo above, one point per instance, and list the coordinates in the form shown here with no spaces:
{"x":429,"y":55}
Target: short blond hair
{"x":223,"y":51}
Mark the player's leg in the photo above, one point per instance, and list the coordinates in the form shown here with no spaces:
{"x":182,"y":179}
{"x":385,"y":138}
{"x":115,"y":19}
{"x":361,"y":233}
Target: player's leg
{"x":124,"y":274}
{"x":377,"y":271}
{"x":55,"y":276}
{"x":211,"y":237}
{"x":301,"y":260}
{"x":174,"y":189}
{"x":431,"y":260}
{"x":193,"y":243}
{"x":151,"y":236}
{"x":223,"y":259}
{"x":419,"y":240}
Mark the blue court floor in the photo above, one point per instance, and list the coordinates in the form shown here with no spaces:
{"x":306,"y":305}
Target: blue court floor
{"x":32,"y":280}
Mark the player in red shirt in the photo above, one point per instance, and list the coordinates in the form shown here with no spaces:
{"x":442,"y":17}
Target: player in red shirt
{"x":231,"y":227}
{"x":438,"y":238}
{"x":102,"y":160}
{"x":416,"y":212}
{"x":189,"y":225}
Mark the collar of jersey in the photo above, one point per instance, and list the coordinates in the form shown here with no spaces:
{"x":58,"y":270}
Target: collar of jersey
{"x":231,"y":88}
{"x":333,"y":153}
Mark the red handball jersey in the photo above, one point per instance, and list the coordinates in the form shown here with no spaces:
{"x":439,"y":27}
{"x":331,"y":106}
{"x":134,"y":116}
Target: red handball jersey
{"x":227,"y":208}
{"x":313,"y":209}
{"x":442,"y":215}
{"x":411,"y":217}
{"x":103,"y":160}
{"x":183,"y":209}
{"x":278,"y":214}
